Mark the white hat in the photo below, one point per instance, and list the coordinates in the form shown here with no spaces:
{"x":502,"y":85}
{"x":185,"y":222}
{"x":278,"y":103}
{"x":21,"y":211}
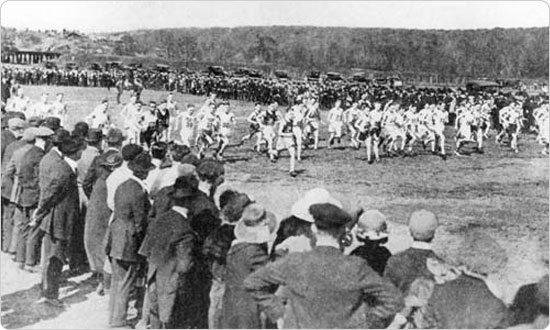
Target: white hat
{"x":373,"y":224}
{"x":256,"y":225}
{"x":300,"y":209}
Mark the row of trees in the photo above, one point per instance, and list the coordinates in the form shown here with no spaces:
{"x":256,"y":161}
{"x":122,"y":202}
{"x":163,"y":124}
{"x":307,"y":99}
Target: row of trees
{"x":520,"y":52}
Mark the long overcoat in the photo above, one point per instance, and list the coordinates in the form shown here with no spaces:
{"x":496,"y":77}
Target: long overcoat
{"x":97,"y":222}
{"x":239,"y":310}
{"x":169,"y":247}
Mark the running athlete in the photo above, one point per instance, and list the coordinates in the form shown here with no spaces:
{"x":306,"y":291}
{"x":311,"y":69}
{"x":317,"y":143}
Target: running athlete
{"x":286,"y":140}
{"x":207,"y":127}
{"x":254,"y":119}
{"x":335,"y":124}
{"x":185,"y":125}
{"x":351,"y":116}
{"x":463,"y":126}
{"x":226,"y":120}
{"x":312,"y":119}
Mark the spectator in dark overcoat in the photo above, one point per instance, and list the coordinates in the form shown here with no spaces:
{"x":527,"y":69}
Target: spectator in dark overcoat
{"x":170,"y":249}
{"x":26,"y":162}
{"x":125,"y":236}
{"x":58,"y":209}
{"x":248,"y":252}
{"x":114,"y":141}
{"x":97,"y":221}
{"x":216,"y":247}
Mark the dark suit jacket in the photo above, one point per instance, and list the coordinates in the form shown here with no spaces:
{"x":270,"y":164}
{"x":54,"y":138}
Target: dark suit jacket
{"x":94,"y":171}
{"x":7,"y":138}
{"x":7,"y":182}
{"x":127,"y":230}
{"x":168,"y":247}
{"x":406,"y":266}
{"x":376,"y":255}
{"x":58,"y":205}
{"x":465,"y":303}
{"x":29,"y":177}
{"x":324,"y":289}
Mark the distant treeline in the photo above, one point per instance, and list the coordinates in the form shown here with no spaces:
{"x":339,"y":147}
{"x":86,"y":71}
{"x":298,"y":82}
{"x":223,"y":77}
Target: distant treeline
{"x":513,"y":53}
{"x":520,"y":52}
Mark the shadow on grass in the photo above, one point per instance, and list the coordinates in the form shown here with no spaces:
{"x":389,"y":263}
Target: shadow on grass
{"x":20,"y":309}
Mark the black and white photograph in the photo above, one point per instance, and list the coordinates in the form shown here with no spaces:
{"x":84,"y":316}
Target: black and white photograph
{"x":274,"y":164}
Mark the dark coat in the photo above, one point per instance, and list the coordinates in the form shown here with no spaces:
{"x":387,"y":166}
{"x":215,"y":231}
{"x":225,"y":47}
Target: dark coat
{"x":97,"y":222}
{"x":7,"y":138}
{"x":203,"y":213}
{"x":169,"y":249}
{"x":376,"y":255}
{"x":216,"y":247}
{"x":14,"y":168}
{"x":88,"y":155}
{"x":239,"y":310}
{"x":94,"y":170}
{"x":7,"y":182}
{"x":464,"y":303}
{"x":406,"y":266}
{"x":127,"y":230}
{"x":324,"y":289}
{"x":29,"y":177}
{"x":58,"y":205}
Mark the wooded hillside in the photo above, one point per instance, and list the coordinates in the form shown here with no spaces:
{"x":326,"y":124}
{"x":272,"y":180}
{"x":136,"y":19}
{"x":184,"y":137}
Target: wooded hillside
{"x":521,"y":52}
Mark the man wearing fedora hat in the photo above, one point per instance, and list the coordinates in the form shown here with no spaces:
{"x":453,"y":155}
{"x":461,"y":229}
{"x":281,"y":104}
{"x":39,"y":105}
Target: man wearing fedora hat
{"x":94,"y":142}
{"x":323,"y":287}
{"x":113,"y":140}
{"x":57,"y":211}
{"x":170,"y":248}
{"x":97,"y":221}
{"x":125,"y":236}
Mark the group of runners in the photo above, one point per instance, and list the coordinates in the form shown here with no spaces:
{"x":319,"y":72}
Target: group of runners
{"x":387,"y":125}
{"x":392,"y":125}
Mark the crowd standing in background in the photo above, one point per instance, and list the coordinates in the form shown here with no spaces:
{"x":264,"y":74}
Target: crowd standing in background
{"x":136,"y":205}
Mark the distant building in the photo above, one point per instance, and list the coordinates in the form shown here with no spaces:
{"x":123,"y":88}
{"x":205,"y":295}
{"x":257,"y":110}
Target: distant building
{"x":28,"y":56}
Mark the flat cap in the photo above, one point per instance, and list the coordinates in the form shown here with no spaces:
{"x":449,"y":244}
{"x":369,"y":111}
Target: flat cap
{"x":422,"y":225}
{"x":329,"y":216}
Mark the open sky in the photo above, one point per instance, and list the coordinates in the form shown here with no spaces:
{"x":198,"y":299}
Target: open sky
{"x":110,"y":16}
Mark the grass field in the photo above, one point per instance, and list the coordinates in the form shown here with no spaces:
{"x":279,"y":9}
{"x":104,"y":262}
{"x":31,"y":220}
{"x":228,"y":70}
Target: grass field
{"x":503,"y":193}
